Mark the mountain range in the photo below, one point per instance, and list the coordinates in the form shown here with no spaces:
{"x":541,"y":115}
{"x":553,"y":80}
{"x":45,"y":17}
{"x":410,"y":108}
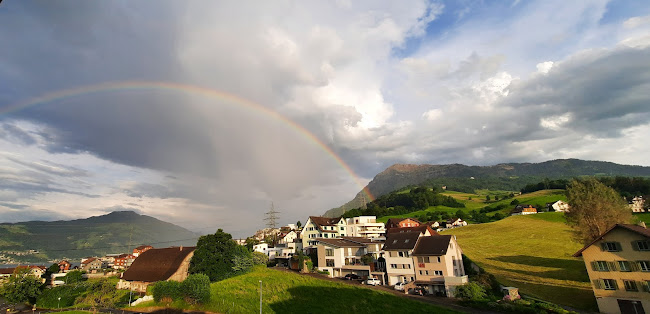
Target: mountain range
{"x":116,"y":232}
{"x":507,"y":176}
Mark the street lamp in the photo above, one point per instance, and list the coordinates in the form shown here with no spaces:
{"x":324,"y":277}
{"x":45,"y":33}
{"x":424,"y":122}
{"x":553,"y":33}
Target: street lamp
{"x":59,"y":304}
{"x":260,"y":297}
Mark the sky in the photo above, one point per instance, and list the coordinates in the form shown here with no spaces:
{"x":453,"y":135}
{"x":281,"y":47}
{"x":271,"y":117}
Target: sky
{"x":203,"y":113}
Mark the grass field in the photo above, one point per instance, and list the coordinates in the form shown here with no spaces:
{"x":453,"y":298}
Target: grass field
{"x":286,"y":292}
{"x":533,"y":253}
{"x":478,"y":201}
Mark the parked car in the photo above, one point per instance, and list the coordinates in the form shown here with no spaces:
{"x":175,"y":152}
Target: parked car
{"x":351,"y":277}
{"x":400,"y":286}
{"x":419,"y":291}
{"x":373,"y":282}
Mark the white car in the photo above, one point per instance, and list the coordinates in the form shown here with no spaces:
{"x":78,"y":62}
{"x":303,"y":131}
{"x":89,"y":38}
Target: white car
{"x":373,"y":281}
{"x":400,"y":286}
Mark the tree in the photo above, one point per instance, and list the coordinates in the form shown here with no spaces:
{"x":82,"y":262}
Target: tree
{"x":214,"y":256}
{"x":21,"y":287}
{"x":298,"y":224}
{"x":514,"y":202}
{"x":470,"y":291}
{"x":594,"y":209}
{"x":250,"y":242}
{"x":73,"y":277}
{"x":196,"y":288}
{"x":487,"y":198}
{"x":461,"y":214}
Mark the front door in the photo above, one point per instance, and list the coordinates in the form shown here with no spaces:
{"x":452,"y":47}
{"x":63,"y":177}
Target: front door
{"x":630,"y":307}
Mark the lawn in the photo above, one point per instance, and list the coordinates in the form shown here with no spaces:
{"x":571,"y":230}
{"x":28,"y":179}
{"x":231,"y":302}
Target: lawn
{"x":287,"y":292}
{"x":533,"y":253}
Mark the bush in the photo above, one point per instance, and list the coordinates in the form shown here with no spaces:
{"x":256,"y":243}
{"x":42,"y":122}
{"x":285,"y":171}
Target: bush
{"x":310,"y":266}
{"x":196,"y":288}
{"x":166,"y":289}
{"x":74,"y":277}
{"x":470,"y":291}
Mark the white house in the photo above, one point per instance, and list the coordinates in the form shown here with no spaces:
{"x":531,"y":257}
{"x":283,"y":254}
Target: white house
{"x":637,"y":204}
{"x":322,"y":227}
{"x":560,"y":206}
{"x":398,"y":249}
{"x":365,"y":227}
{"x":289,"y":237}
{"x":345,"y":256}
{"x":262,"y":247}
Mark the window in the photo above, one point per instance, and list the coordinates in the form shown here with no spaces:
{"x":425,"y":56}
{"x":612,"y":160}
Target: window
{"x":438,"y":272}
{"x":329,"y":252}
{"x":611,"y":246}
{"x":342,"y":228}
{"x":426,"y":272}
{"x":641,"y":245}
{"x":602,"y":266}
{"x":406,"y":241}
{"x":624,"y":266}
{"x":438,"y":259}
{"x":329,"y":262}
{"x":409,"y":266}
{"x":630,"y":285}
{"x":454,"y":262}
{"x":393,"y":265}
{"x":426,"y":259}
{"x":609,"y":284}
{"x":326,"y":235}
{"x":401,"y":254}
{"x":420,"y":272}
{"x":644,"y":265}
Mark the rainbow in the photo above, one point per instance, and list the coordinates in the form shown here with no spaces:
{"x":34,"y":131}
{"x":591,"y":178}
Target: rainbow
{"x":190,"y":89}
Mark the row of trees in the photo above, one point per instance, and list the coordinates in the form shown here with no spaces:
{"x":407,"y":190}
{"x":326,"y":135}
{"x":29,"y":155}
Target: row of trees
{"x":396,"y":203}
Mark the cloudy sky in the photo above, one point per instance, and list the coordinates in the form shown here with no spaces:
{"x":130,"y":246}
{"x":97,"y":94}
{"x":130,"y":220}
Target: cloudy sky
{"x":202,"y":113}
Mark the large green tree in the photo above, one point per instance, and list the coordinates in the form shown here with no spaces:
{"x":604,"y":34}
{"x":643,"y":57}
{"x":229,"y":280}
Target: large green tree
{"x":21,"y":287}
{"x":214,"y":255}
{"x":594,"y":209}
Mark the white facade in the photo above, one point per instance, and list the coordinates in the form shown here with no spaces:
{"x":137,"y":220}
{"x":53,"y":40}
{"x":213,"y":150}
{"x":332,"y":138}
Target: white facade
{"x":637,"y":204}
{"x":399,"y":266}
{"x":262,"y":248}
{"x":289,"y":237}
{"x":312,"y":231}
{"x":365,"y":227}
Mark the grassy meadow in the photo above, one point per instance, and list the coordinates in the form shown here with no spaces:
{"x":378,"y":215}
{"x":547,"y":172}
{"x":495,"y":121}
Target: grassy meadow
{"x":287,"y":292}
{"x":478,"y":201}
{"x":533,"y":253}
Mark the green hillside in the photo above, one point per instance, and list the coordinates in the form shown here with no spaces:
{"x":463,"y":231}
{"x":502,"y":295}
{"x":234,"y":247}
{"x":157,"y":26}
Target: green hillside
{"x":533,"y":253}
{"x":288,"y":292}
{"x":478,"y":201}
{"x":110,"y":233}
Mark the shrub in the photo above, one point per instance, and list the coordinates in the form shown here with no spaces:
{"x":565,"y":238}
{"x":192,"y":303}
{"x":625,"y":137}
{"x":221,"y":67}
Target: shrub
{"x":310,"y":266}
{"x":470,"y":291}
{"x":196,"y":288}
{"x":260,"y":258}
{"x":74,"y":277}
{"x":166,"y":289}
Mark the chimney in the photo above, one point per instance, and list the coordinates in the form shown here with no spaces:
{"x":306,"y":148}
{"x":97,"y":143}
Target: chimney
{"x":641,"y":224}
{"x":181,"y":247}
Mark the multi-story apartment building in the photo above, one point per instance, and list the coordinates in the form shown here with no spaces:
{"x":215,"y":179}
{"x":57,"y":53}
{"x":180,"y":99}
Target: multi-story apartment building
{"x":398,"y":249}
{"x":365,"y":227}
{"x":618,"y":264}
{"x":322,"y":227}
{"x":438,"y":263}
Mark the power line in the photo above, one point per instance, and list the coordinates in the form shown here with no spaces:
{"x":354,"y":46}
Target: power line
{"x":114,"y":246}
{"x":271,"y":217}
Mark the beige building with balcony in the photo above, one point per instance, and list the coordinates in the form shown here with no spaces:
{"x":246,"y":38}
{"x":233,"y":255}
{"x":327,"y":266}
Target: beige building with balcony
{"x":322,"y":227}
{"x":438,"y":262}
{"x":618,"y":264}
{"x":344,"y":256}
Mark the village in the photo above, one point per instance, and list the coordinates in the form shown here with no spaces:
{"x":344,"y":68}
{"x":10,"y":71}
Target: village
{"x":405,"y":254}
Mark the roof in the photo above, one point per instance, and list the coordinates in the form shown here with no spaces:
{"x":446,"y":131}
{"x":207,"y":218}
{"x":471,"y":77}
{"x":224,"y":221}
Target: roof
{"x":7,"y":271}
{"x":340,"y":243}
{"x":436,"y":245}
{"x":401,"y":241}
{"x":324,"y":221}
{"x":88,"y":261}
{"x":396,"y":221}
{"x":634,"y":228}
{"x":420,"y":229}
{"x":142,"y":247}
{"x":157,"y":264}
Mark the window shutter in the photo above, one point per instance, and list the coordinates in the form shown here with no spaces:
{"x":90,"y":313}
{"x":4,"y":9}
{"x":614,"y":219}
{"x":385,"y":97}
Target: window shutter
{"x":593,"y":266}
{"x":634,"y":266}
{"x":615,"y":284}
{"x":611,"y":266}
{"x":603,"y":246}
{"x":598,"y":283}
{"x":635,"y":245}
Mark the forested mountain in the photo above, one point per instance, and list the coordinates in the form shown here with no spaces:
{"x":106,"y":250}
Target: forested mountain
{"x":510,"y":176}
{"x":117,"y":232}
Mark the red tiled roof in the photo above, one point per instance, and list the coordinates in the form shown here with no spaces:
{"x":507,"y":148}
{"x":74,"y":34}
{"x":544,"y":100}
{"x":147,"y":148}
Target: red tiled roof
{"x":324,"y":221}
{"x":634,"y":228}
{"x":88,"y":261}
{"x":157,"y":264}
